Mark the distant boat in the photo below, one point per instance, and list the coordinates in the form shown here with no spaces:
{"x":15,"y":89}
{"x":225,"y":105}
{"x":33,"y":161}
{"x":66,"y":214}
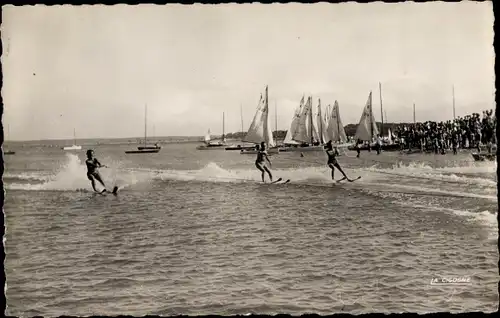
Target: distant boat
{"x":367,"y":131}
{"x":303,"y":135}
{"x":213,"y":145}
{"x":156,"y":146}
{"x":245,"y":146}
{"x":7,"y":152}
{"x":145,"y":149}
{"x":259,"y":130}
{"x":240,"y":147}
{"x":74,"y":146}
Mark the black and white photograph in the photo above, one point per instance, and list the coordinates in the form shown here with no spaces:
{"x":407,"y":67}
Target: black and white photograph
{"x":245,"y":159}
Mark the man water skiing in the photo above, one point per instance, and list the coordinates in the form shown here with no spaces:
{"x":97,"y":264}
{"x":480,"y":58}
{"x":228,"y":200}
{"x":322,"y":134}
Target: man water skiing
{"x":92,"y":170}
{"x":332,"y":161}
{"x":260,"y":163}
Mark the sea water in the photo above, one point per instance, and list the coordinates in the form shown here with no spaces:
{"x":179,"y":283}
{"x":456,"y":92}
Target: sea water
{"x":194,"y":232}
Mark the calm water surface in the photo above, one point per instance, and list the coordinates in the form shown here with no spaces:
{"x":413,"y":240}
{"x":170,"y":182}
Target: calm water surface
{"x":193,"y":232}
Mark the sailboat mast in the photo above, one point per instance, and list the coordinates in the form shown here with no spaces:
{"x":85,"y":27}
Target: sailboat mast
{"x":145,"y":123}
{"x":371,"y":117}
{"x":276,"y":118}
{"x":311,"y":117}
{"x":338,"y":122}
{"x":241,"y":113}
{"x":267,"y":107}
{"x":74,"y":136}
{"x":381,"y":110}
{"x":320,"y":132}
{"x":223,"y":126}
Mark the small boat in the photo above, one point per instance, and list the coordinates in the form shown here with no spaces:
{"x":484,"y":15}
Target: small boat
{"x":145,"y":149}
{"x":74,"y":146}
{"x":245,"y":146}
{"x":213,"y":145}
{"x":240,"y":147}
{"x":259,"y":130}
{"x":331,"y":129}
{"x":156,"y":146}
{"x":8,"y":152}
{"x":367,"y":128}
{"x":304,"y":135}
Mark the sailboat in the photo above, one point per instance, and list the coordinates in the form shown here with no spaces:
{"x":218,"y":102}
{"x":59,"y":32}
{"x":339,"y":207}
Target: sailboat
{"x":245,"y":146}
{"x":307,"y":134}
{"x":367,"y":128}
{"x":155,"y":146}
{"x":259,"y":130}
{"x":335,"y":131}
{"x":145,"y":148}
{"x":210,"y":145}
{"x":8,"y":152}
{"x":320,"y":125}
{"x":74,"y":146}
{"x":289,"y":142}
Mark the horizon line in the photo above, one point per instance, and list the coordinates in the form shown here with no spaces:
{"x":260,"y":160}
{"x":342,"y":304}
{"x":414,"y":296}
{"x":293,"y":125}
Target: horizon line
{"x":178,"y":136}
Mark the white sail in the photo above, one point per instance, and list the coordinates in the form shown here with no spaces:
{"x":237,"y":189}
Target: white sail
{"x":313,"y":120}
{"x":326,"y":119}
{"x":259,"y":130}
{"x":207,"y":136}
{"x":389,"y":133}
{"x":367,"y":128}
{"x":321,"y":127}
{"x":303,"y":133}
{"x":295,"y":124}
{"x":336,"y":132}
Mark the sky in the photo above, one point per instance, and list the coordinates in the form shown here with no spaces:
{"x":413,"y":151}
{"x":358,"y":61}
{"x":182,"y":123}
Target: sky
{"x":94,"y":68}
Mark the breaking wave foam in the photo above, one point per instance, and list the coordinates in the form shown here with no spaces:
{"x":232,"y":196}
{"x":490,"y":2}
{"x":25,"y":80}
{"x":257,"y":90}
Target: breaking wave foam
{"x":72,"y":176}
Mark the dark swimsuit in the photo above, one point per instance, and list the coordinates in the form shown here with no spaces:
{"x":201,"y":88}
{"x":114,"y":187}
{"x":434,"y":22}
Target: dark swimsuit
{"x":331,"y":157}
{"x":92,"y":165}
{"x":260,"y":158}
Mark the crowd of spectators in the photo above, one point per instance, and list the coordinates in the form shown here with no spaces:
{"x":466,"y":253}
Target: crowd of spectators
{"x":470,"y":131}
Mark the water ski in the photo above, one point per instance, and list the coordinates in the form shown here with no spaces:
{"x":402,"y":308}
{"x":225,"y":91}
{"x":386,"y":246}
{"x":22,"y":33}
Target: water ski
{"x":275,"y":181}
{"x":350,"y":180}
{"x":115,"y":191}
{"x":103,"y":192}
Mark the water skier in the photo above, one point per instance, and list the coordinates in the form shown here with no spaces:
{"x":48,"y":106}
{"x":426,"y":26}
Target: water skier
{"x":332,"y":160}
{"x":260,"y":163}
{"x":92,"y":170}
